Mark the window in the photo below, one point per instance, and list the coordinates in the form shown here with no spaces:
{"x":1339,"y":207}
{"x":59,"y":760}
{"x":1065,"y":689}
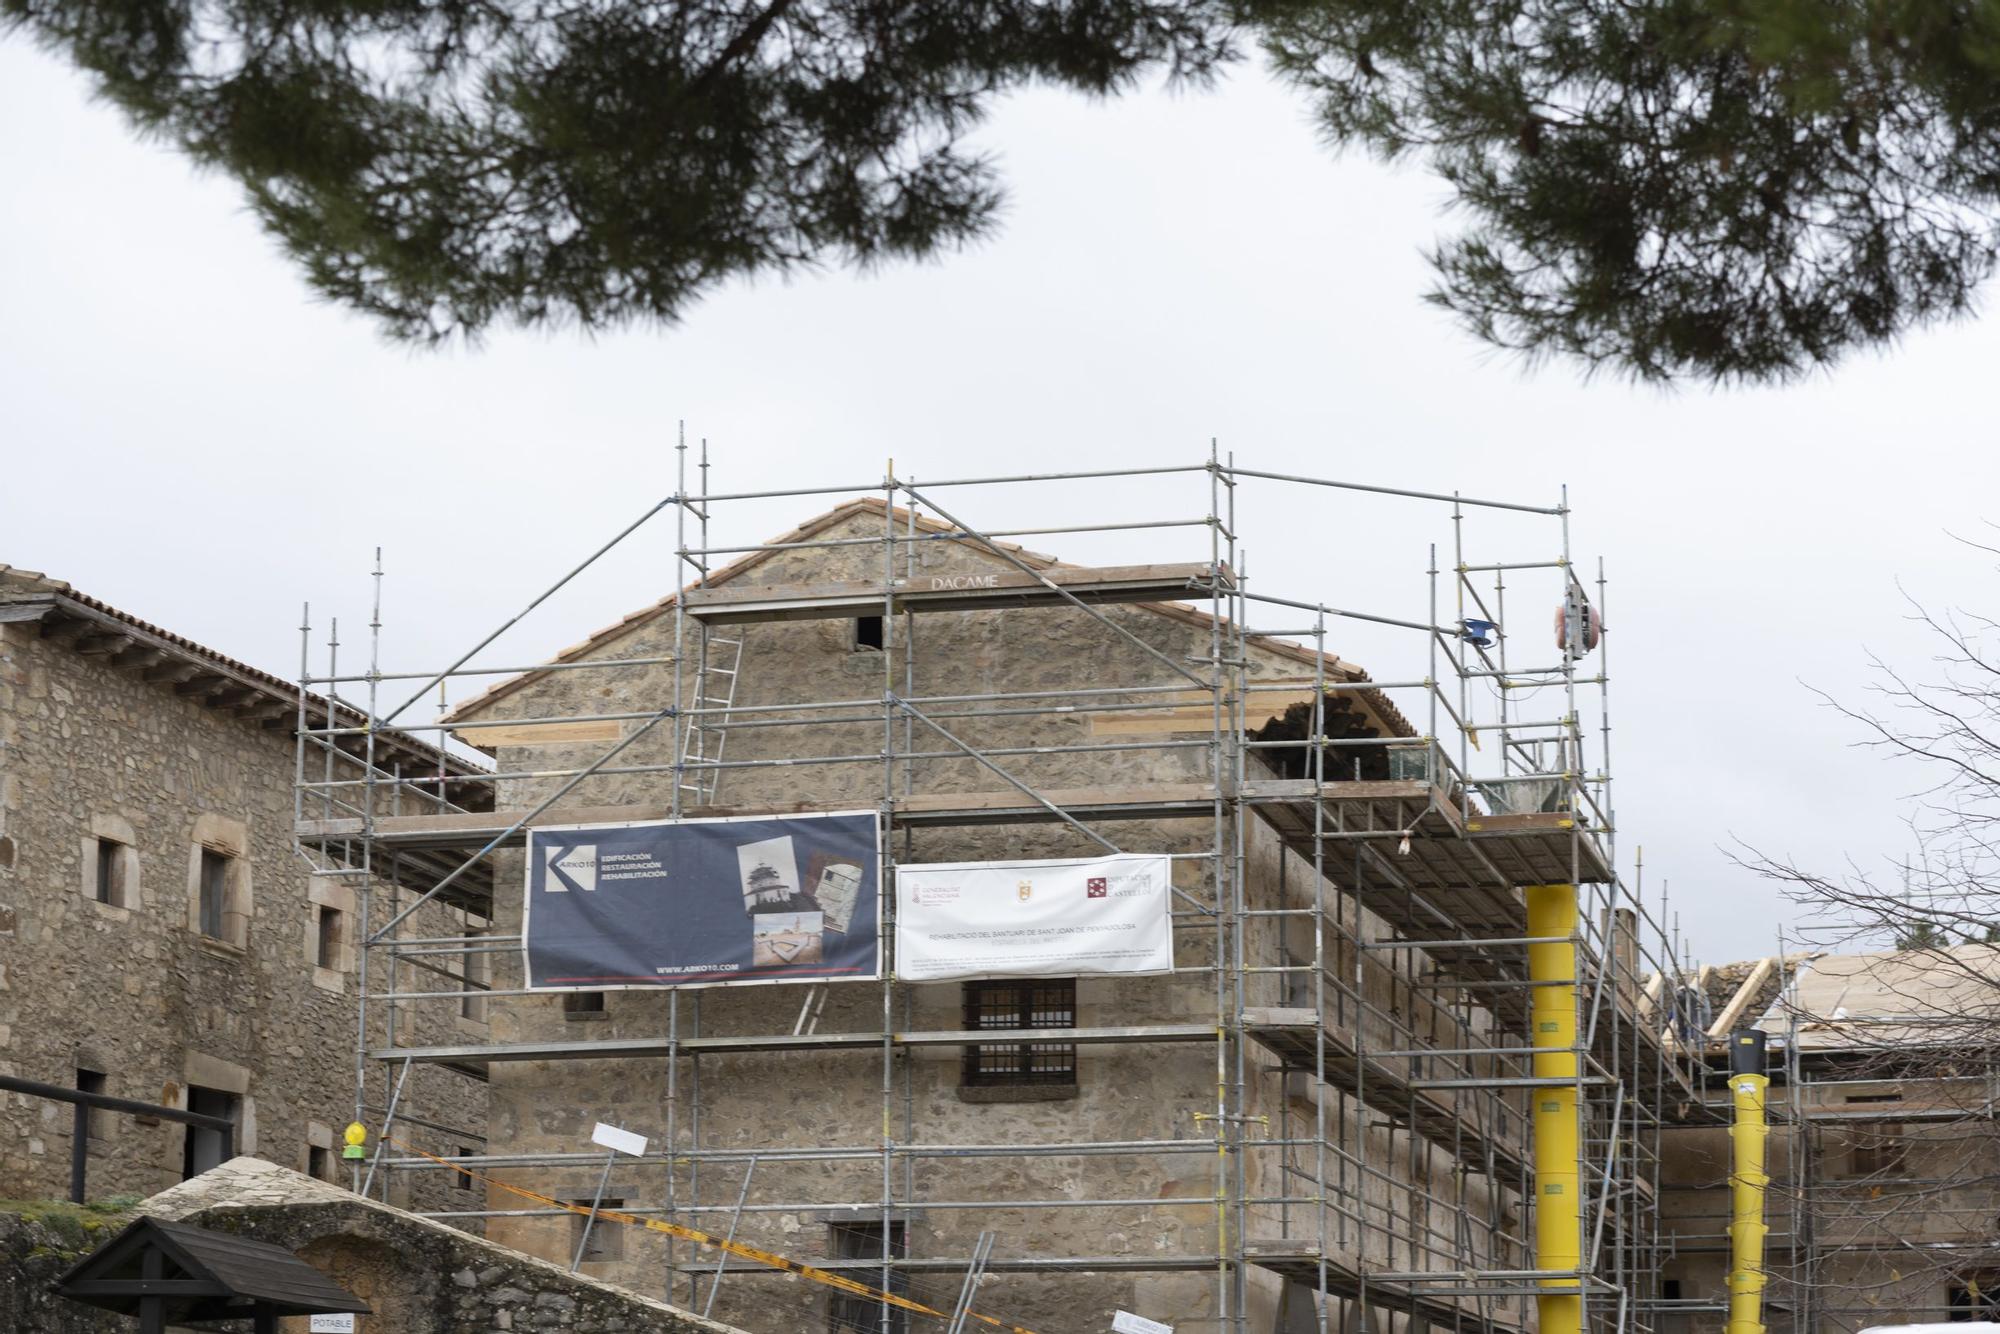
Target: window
{"x":214,"y":892}
{"x":1670,"y":1289}
{"x":583,"y":1005}
{"x":1975,"y":1297}
{"x":110,"y":879}
{"x":473,"y":981}
{"x":326,"y":946}
{"x":867,"y":632}
{"x":218,"y":886}
{"x":205,"y":1147}
{"x":461,"y":1181}
{"x":863,"y":1241}
{"x":607,"y":1239}
{"x":319,"y":1162}
{"x":109,"y":865}
{"x":97,"y":1119}
{"x":1878,"y":1152}
{"x":1046,"y":1003}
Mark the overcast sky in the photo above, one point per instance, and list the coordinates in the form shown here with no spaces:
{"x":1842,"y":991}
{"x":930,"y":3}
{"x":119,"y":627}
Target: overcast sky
{"x":186,"y":433}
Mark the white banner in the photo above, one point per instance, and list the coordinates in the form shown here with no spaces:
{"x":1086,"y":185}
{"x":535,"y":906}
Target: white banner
{"x":1034,"y":919}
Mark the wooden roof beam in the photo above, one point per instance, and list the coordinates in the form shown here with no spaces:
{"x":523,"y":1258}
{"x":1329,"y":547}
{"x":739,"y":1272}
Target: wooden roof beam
{"x":173,"y":671}
{"x":137,"y":657}
{"x":103,"y":642}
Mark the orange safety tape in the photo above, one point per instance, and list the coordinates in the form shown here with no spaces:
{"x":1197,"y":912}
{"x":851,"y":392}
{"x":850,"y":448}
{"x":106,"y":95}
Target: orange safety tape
{"x":831,"y":1280}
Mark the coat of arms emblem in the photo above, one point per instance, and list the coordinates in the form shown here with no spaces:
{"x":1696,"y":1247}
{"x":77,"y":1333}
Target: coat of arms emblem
{"x":1025,"y":889}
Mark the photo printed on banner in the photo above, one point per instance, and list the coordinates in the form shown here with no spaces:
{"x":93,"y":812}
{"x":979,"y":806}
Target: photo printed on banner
{"x":770,"y":871}
{"x":787,"y":938}
{"x":834,"y":884}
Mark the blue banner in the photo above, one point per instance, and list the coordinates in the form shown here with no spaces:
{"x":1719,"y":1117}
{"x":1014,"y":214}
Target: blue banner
{"x":704,"y":902}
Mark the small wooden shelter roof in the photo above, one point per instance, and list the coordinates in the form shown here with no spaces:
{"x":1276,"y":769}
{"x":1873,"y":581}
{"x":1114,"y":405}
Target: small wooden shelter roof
{"x":202,"y":1274}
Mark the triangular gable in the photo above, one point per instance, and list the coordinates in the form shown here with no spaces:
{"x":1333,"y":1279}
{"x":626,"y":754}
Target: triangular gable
{"x":1336,"y":669}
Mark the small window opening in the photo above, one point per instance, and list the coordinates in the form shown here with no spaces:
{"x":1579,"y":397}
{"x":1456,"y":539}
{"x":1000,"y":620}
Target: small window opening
{"x":862,"y":1241}
{"x":583,"y":1004}
{"x":1670,"y":1289}
{"x":96,"y":1119}
{"x":319,"y":1162}
{"x":868,"y":632}
{"x":1049,"y":1003}
{"x":214,"y":891}
{"x":110,"y":882}
{"x":326,"y":949}
{"x":607,"y":1239}
{"x":1298,"y":1308}
{"x":460,"y":1180}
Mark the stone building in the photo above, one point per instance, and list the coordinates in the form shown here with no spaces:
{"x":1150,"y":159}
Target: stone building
{"x":1214,"y":1140}
{"x":1883,"y":1199}
{"x":161,"y":938}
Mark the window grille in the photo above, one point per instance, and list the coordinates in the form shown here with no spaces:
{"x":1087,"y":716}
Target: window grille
{"x":1038,"y":1004}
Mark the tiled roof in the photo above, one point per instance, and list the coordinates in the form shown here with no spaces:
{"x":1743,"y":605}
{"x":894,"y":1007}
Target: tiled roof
{"x":30,"y":594}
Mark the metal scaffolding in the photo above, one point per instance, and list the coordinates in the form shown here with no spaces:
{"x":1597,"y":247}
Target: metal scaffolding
{"x":1399,"y":969}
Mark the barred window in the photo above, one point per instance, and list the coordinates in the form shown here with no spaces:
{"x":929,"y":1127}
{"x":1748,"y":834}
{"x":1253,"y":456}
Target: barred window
{"x":1038,"y":1004}
{"x":863,"y":1315}
{"x":606,"y":1239}
{"x":1881,"y":1151}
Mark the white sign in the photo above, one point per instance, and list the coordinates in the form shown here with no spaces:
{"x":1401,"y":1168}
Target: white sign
{"x":331,"y":1324}
{"x":1034,"y":918}
{"x":1124,"y":1322}
{"x":624,"y":1141}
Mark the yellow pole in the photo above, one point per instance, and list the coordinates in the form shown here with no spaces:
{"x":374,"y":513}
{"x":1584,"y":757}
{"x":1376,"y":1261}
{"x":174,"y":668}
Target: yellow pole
{"x":1747,"y":1180}
{"x":1558,"y":1128}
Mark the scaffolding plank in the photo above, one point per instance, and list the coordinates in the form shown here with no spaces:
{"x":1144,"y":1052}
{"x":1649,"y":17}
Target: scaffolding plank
{"x":473,"y":830}
{"x":612,"y":1049}
{"x":735,"y":603}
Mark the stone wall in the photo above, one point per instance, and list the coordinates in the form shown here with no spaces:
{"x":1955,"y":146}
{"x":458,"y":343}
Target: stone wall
{"x":136,"y":990}
{"x":1154,"y":1206}
{"x":38,"y":1244}
{"x":417,"y":1276}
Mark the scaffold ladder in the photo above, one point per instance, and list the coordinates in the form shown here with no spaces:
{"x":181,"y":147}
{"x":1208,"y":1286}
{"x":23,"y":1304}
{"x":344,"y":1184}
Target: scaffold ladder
{"x":702,"y":743}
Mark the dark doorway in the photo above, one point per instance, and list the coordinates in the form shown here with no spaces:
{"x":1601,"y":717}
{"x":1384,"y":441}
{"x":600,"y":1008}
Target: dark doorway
{"x":206,"y":1148}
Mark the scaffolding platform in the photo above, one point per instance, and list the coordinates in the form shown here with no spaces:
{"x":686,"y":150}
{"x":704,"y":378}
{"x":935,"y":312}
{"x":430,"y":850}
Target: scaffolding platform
{"x":1292,"y":1034}
{"x":1491,"y":862}
{"x":1448,"y":846}
{"x":1302,"y":1262}
{"x":625,"y":1049}
{"x":733,"y":603}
